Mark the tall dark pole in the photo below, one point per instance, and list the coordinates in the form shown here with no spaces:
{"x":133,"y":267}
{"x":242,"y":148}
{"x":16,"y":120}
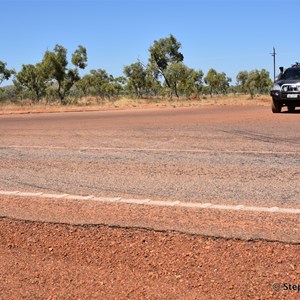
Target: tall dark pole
{"x":274,"y":62}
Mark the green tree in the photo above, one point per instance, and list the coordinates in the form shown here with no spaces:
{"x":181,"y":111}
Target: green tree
{"x":217,"y":82}
{"x":176,"y":74}
{"x":212,"y":81}
{"x":9,"y":93}
{"x":32,"y":78}
{"x":164,"y":53}
{"x":4,"y":72}
{"x":265,"y":82}
{"x":55,"y":64}
{"x":254,"y":82}
{"x":242,"y":80}
{"x":183,"y":80}
{"x":84,"y":84}
{"x":136,"y":78}
{"x":192,"y":83}
{"x":101,"y":83}
{"x":79,"y":57}
{"x":247,"y":81}
{"x":119,"y":83}
{"x":223,"y":82}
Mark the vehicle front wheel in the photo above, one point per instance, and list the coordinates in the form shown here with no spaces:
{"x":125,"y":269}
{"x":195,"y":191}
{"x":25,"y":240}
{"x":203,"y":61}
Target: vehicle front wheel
{"x":276,"y":106}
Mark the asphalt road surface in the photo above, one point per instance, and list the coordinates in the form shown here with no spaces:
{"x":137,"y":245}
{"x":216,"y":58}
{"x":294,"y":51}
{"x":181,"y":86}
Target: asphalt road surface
{"x":237,"y":155}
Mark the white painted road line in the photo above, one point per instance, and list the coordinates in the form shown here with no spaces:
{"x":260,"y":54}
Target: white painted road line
{"x":56,"y":196}
{"x":8,"y":192}
{"x":192,"y":205}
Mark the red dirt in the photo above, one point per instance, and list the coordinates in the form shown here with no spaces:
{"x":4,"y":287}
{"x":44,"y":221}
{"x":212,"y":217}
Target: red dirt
{"x":50,"y":261}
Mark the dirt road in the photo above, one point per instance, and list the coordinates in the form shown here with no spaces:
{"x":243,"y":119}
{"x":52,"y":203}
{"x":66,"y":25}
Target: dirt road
{"x":219,"y":156}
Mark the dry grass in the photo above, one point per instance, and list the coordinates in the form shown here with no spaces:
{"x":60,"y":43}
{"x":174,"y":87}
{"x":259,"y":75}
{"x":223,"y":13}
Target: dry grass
{"x":92,"y":104}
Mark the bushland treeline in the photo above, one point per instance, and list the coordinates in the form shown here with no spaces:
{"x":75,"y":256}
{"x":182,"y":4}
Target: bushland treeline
{"x":164,"y":75}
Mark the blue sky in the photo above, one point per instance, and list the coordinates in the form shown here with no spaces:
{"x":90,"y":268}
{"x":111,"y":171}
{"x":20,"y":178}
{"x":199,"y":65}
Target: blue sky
{"x":229,"y":36}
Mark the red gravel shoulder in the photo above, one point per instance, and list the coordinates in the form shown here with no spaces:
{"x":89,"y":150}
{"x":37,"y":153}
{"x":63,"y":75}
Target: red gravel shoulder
{"x":51,"y":261}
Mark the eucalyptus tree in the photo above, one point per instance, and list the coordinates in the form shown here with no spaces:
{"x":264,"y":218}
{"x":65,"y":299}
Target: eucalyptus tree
{"x":176,"y":74}
{"x":136,"y":78}
{"x":211,"y":79}
{"x":101,"y":83}
{"x":197,"y":77}
{"x":191,"y":83}
{"x":55,"y":64}
{"x":217,"y":82}
{"x":254,"y":81}
{"x":5,"y":73}
{"x":84,"y":84}
{"x":153,"y":84}
{"x":33,"y":79}
{"x":265,"y":83}
{"x":224,"y":82}
{"x":118,"y":84}
{"x":242,"y":80}
{"x":163,"y":54}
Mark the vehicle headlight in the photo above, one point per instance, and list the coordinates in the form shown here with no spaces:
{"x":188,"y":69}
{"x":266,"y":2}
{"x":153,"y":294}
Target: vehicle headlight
{"x":276,"y":87}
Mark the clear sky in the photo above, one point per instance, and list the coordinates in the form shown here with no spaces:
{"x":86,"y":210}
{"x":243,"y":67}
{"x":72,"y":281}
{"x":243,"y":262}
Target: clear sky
{"x":229,"y":36}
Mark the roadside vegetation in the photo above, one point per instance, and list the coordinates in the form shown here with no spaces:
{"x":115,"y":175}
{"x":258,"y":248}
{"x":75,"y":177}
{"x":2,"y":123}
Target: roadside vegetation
{"x":164,"y":78}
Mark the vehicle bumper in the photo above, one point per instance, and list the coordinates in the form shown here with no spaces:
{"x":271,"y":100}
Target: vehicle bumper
{"x":286,"y":98}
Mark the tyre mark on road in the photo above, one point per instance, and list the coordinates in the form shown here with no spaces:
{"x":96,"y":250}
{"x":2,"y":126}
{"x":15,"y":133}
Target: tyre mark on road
{"x":83,"y":149}
{"x":261,"y":137}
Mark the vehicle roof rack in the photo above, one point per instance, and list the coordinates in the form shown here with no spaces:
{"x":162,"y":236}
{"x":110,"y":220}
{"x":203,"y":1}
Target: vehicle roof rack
{"x":297,"y":64}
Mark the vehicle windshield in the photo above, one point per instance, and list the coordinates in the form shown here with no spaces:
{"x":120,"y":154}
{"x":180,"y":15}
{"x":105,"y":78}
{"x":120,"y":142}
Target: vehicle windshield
{"x":292,"y":74}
